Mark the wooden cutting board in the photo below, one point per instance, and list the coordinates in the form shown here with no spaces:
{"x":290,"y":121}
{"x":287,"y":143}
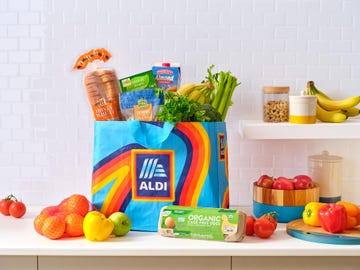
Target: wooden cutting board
{"x":298,"y":229}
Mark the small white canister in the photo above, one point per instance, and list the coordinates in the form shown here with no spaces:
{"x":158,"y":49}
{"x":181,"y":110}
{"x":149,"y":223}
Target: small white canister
{"x":302,"y":109}
{"x":326,"y":170}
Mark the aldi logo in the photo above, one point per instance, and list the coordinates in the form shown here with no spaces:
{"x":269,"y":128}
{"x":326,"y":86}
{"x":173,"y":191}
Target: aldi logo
{"x":151,"y":168}
{"x":152,"y":175}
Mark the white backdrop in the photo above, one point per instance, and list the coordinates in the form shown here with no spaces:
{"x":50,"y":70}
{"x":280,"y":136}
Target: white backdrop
{"x":45,"y":120}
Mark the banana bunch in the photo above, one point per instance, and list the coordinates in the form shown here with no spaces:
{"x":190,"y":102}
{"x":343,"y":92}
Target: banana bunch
{"x":200,"y":92}
{"x":333,"y":111}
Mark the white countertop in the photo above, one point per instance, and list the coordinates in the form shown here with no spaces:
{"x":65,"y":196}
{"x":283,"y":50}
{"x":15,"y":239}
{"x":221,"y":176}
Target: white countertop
{"x":18,"y":237}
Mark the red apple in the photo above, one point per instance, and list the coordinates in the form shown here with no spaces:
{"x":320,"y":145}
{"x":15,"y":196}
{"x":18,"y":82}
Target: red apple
{"x":283,"y":183}
{"x":302,"y":181}
{"x":265,"y":181}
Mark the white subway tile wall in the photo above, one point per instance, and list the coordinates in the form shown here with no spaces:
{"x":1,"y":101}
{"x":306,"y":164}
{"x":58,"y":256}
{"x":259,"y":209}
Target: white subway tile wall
{"x":46,"y":126}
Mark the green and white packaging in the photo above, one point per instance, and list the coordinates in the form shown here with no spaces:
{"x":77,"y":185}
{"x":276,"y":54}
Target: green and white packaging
{"x":202,"y":223}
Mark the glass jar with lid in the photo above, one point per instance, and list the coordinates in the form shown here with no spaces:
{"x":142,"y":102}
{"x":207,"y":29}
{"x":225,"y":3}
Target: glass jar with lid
{"x":276,"y":103}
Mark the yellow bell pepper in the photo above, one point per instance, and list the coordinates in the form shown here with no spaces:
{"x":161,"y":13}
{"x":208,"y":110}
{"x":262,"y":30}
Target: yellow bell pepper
{"x":310,"y":214}
{"x":97,"y":227}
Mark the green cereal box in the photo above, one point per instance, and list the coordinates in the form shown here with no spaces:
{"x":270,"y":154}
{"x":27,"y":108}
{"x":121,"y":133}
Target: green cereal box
{"x":202,"y":223}
{"x":144,"y":80}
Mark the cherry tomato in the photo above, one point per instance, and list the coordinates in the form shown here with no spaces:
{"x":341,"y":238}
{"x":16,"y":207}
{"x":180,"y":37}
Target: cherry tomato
{"x":4,"y":206}
{"x":250,"y":220}
{"x":265,"y":225}
{"x":17,"y":209}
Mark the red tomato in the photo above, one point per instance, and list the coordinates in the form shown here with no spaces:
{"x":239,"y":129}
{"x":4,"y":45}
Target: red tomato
{"x":17,"y":209}
{"x":250,"y":220}
{"x":265,"y":226}
{"x":4,"y":206}
{"x":265,"y":181}
{"x":271,"y":217}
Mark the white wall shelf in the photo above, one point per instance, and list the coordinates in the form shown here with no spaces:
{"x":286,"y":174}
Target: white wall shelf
{"x":260,"y":130}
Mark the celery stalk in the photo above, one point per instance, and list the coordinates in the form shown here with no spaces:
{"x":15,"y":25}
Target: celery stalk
{"x":229,"y":89}
{"x":228,"y":101}
{"x":220,"y":90}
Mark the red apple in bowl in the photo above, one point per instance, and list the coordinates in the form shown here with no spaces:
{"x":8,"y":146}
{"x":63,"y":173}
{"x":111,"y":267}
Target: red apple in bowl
{"x":302,"y":181}
{"x":283,"y":183}
{"x":265,"y":181}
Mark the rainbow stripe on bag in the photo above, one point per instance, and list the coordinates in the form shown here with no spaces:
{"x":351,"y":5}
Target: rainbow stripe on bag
{"x":113,"y":176}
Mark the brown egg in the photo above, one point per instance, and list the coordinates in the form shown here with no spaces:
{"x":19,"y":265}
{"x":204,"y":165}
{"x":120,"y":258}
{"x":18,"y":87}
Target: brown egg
{"x":169,"y":222}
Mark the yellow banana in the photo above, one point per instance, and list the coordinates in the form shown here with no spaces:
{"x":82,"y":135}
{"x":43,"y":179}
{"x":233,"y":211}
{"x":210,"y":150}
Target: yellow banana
{"x":329,"y":104}
{"x":353,"y":111}
{"x":186,"y":89}
{"x":194,"y":95}
{"x":332,"y":105}
{"x":201,"y":99}
{"x":329,"y":116}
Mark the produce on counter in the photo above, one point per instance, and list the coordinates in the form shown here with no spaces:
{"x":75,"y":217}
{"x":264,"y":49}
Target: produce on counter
{"x":64,"y":219}
{"x":352,"y":212}
{"x":265,"y":225}
{"x":333,"y":111}
{"x":333,"y":217}
{"x":250,"y":221}
{"x":122,"y":223}
{"x":311,"y":213}
{"x":11,"y":206}
{"x":97,"y":227}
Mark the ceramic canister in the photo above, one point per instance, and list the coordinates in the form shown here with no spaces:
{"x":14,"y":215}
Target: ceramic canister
{"x":326,"y":170}
{"x":302,"y":109}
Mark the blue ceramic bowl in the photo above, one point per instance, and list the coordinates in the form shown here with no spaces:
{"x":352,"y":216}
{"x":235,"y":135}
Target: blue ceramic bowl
{"x":285,"y":214}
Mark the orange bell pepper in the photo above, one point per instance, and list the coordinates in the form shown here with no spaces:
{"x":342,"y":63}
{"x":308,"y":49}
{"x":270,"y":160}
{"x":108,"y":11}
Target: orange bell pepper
{"x":352,"y":211}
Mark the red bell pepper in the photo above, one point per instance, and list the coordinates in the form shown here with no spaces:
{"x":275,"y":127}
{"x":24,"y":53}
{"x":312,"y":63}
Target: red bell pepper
{"x":333,"y":217}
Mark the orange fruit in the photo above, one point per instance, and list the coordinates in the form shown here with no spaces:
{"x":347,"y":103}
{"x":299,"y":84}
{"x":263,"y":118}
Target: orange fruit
{"x":76,"y":203}
{"x":53,"y":227}
{"x":50,"y":210}
{"x":39,"y":222}
{"x":74,"y":225}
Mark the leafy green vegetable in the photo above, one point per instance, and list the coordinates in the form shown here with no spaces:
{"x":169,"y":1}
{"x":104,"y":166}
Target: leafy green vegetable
{"x":178,"y":108}
{"x":224,"y":84}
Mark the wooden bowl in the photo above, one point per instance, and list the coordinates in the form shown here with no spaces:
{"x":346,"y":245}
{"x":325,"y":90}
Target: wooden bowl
{"x":288,"y":204}
{"x":285,"y":197}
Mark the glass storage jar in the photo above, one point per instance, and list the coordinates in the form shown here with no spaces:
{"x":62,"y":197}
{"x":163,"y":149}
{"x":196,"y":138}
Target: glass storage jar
{"x":276,"y":103}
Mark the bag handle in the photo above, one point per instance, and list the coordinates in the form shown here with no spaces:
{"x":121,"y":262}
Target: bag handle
{"x":148,"y":134}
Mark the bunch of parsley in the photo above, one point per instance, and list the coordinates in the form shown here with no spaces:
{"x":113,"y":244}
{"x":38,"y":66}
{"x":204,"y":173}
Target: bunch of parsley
{"x":178,"y":108}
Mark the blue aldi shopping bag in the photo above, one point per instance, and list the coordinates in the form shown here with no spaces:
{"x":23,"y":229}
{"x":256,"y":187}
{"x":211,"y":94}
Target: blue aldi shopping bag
{"x":139,"y":167}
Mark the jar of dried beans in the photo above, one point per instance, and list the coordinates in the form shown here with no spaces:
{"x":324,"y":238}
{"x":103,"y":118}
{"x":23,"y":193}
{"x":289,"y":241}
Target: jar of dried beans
{"x":276,"y":103}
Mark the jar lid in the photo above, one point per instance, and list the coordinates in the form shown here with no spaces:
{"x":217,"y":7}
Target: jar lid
{"x":276,"y":89}
{"x":325,"y":157}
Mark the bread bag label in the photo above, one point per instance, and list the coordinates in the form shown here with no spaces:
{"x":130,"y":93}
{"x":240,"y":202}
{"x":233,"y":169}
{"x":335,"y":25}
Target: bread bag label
{"x":202,"y":223}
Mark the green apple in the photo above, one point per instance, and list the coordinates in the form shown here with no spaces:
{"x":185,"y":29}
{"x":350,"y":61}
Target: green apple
{"x":122,"y":223}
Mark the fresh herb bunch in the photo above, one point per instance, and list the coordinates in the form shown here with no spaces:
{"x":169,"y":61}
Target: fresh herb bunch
{"x":178,"y":108}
